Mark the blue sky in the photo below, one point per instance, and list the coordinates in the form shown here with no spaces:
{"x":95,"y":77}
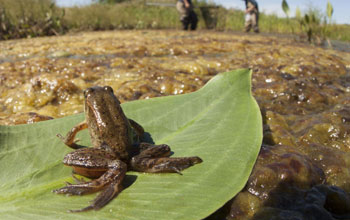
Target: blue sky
{"x":341,"y":7}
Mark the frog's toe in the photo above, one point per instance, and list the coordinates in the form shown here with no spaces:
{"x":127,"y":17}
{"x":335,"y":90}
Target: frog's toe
{"x":90,"y":207}
{"x":73,"y":190}
{"x":176,"y":170}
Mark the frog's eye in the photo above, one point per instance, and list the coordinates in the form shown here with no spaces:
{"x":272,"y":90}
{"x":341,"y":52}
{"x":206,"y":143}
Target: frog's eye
{"x":87,"y":91}
{"x":108,"y":89}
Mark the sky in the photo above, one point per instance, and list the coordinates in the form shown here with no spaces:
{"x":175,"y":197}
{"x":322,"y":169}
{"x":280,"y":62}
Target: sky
{"x":341,"y":8}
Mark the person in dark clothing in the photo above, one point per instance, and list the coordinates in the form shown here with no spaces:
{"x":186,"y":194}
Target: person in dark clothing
{"x":188,"y":17}
{"x":252,"y":16}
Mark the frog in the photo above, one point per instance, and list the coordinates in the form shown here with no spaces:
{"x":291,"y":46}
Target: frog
{"x":117,"y":147}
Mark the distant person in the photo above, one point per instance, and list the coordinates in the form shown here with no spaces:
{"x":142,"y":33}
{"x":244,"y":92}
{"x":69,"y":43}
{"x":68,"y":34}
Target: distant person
{"x":251,"y":16}
{"x":188,"y":17}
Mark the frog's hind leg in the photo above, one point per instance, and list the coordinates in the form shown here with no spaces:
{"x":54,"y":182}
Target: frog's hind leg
{"x":148,"y":150}
{"x":115,"y":172}
{"x":110,"y":182}
{"x":111,"y":191}
{"x":155,"y":159}
{"x":69,"y":140}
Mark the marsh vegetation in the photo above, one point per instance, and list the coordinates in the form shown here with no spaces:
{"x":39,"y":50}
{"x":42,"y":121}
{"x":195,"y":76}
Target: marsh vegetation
{"x":32,"y":18}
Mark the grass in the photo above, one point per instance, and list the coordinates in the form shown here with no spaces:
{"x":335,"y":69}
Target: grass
{"x":120,"y":16}
{"x":339,"y":32}
{"x":31,"y":18}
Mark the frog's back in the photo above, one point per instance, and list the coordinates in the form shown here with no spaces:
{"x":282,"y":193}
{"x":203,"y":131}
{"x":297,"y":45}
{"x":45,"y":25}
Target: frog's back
{"x":107,"y":122}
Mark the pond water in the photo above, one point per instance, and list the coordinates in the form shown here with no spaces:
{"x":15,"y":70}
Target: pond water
{"x":303,"y":92}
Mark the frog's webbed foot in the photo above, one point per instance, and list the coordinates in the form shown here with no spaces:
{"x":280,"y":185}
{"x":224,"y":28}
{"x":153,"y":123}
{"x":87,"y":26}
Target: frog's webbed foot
{"x":164,"y":164}
{"x":70,"y":140}
{"x":80,"y":188}
{"x":155,"y":159}
{"x":103,"y":198}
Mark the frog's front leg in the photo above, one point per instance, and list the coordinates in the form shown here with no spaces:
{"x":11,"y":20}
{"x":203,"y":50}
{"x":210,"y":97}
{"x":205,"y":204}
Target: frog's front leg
{"x":155,"y":159}
{"x":137,"y":128}
{"x":93,"y":162}
{"x":69,"y":140}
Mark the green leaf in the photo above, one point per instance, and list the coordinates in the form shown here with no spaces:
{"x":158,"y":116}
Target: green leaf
{"x":329,"y":10}
{"x":285,"y":7}
{"x":221,"y":123}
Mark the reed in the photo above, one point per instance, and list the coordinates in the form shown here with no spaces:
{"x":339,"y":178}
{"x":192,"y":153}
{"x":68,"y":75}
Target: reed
{"x":30,"y":18}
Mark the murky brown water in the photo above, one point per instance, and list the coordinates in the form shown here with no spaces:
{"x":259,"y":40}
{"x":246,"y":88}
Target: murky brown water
{"x":303,"y":92}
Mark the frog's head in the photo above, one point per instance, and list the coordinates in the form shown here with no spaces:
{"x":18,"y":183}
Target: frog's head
{"x":99,"y":102}
{"x":96,"y":91}
{"x":100,"y":96}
